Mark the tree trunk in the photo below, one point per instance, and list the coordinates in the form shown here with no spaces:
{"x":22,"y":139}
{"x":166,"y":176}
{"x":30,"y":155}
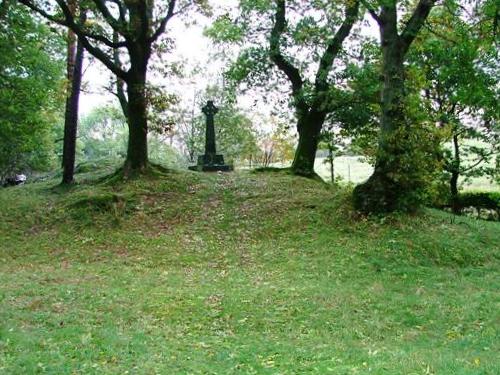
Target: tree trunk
{"x":383,"y":192}
{"x":309,"y":128}
{"x":137,"y":119}
{"x":393,"y":185}
{"x":137,"y":150}
{"x":455,"y":174}
{"x":74,"y":75}
{"x":332,"y":166}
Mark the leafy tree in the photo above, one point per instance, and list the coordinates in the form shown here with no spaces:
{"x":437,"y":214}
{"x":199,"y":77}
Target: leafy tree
{"x":113,"y":27}
{"x":103,"y":134}
{"x":303,"y":47}
{"x":283,"y":144}
{"x":31,"y":78}
{"x":460,"y":69}
{"x":333,"y":142}
{"x":355,"y":119}
{"x":398,"y":177}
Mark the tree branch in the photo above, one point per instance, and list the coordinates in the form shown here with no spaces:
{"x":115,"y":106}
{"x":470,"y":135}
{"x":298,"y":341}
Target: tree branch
{"x":43,"y":13}
{"x":69,"y":22}
{"x":372,"y":11}
{"x":164,"y":21}
{"x":95,"y":51}
{"x":120,"y":91}
{"x":121,"y":10}
{"x":114,"y":23}
{"x":481,"y":159}
{"x":415,"y":23}
{"x":335,"y":45}
{"x":285,"y":66}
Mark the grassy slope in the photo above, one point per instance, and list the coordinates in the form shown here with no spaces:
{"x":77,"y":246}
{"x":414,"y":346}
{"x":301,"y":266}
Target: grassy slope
{"x":240,"y":273}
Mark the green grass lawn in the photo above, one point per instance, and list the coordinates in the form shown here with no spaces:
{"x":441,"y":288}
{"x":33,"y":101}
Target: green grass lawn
{"x":241,"y":273}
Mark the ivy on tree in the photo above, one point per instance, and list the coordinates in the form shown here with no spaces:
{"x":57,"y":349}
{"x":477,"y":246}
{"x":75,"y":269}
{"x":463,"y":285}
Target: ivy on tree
{"x":395,"y":182}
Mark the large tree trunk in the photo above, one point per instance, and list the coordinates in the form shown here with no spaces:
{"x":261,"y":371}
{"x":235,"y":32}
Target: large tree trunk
{"x":393,"y":185}
{"x":309,"y":128}
{"x":383,"y":191}
{"x":137,"y":151}
{"x":74,"y":75}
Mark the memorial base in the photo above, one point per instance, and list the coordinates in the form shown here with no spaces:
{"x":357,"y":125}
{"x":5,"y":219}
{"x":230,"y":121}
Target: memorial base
{"x":211,"y":163}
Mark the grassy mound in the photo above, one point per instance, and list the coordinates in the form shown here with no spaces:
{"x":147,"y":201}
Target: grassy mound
{"x":258,"y":273}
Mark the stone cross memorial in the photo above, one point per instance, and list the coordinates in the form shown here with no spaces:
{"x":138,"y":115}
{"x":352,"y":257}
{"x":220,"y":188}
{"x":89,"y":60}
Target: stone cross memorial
{"x":210,"y":161}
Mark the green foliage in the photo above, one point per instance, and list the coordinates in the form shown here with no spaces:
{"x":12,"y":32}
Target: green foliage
{"x":252,"y":65}
{"x":161,"y":152}
{"x":224,"y":30}
{"x":310,"y":26}
{"x":160,"y":106}
{"x":240,"y":273}
{"x":458,"y":68}
{"x":103,"y":135}
{"x":356,"y":110}
{"x":31,"y":82}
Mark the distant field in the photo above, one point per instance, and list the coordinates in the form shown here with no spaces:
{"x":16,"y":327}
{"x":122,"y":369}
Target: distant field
{"x":352,"y":169}
{"x":348,"y":168}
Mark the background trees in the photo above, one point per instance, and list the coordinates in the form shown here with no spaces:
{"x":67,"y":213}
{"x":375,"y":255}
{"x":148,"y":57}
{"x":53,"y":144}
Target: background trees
{"x":235,"y":133}
{"x":460,"y":77}
{"x":116,"y":27}
{"x":102,"y":136}
{"x":31,"y":95}
{"x":304,"y":41}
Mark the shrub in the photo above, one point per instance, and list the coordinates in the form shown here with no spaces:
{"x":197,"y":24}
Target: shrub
{"x":479,"y":199}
